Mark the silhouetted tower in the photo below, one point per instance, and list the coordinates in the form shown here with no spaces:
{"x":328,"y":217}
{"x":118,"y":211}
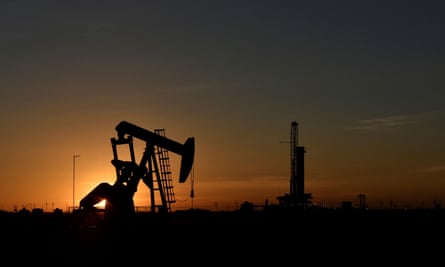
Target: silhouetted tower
{"x":297,"y":196}
{"x":297,"y":167}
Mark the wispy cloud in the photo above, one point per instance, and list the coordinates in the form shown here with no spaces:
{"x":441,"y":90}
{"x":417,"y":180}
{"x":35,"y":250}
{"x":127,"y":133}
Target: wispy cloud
{"x":437,"y":168}
{"x":389,"y":122}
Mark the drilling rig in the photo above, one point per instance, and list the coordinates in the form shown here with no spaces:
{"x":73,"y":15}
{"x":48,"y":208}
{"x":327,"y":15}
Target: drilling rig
{"x":153,"y":169}
{"x":297,"y":196}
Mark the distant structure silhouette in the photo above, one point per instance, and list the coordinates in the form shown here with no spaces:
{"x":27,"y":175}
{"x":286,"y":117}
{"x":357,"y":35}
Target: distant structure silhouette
{"x":362,"y":202}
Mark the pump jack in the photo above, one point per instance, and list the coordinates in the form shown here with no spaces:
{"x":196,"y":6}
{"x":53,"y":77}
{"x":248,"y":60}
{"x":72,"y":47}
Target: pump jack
{"x":153,"y":169}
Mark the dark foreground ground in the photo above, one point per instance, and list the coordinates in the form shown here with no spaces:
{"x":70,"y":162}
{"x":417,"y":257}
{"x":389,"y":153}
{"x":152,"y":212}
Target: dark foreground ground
{"x":207,"y":238}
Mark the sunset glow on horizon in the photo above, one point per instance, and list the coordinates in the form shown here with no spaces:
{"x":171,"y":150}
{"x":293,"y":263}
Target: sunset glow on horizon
{"x":363,"y":80}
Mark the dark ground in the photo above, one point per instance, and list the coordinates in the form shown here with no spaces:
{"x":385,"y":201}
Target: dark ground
{"x":196,"y":236}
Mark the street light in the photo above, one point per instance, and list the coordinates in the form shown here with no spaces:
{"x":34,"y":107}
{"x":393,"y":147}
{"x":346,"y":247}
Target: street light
{"x":74,"y":178}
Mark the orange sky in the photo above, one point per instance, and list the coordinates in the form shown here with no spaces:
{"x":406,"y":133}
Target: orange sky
{"x":364,"y":82}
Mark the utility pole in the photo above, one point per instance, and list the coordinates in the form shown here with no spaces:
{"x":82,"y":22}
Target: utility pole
{"x":192,"y":191}
{"x":74,"y":179}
